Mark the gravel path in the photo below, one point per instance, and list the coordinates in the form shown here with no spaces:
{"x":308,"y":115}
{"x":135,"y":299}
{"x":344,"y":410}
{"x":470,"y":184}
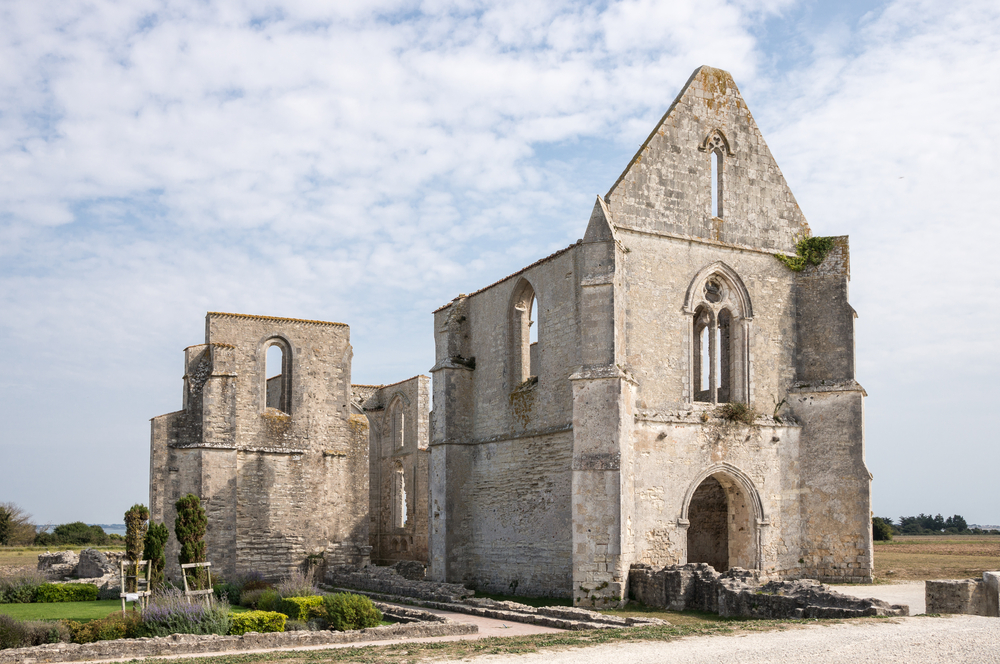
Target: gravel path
{"x":946,"y":640}
{"x":910,"y":593}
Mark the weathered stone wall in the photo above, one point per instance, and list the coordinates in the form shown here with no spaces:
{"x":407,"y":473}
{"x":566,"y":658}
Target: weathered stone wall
{"x":398,"y":469}
{"x":977,"y":597}
{"x":627,"y":302}
{"x":501,"y":451}
{"x":740,"y":593}
{"x":277,"y":485}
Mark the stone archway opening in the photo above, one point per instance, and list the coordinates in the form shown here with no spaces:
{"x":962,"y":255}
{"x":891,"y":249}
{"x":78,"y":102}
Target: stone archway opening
{"x":721,"y":525}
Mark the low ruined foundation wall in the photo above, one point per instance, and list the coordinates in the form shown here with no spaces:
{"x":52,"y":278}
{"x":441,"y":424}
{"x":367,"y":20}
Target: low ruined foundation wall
{"x":740,"y":593}
{"x":976,"y":597}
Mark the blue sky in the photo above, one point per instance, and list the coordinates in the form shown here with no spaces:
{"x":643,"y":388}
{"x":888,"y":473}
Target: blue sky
{"x":160,"y":160}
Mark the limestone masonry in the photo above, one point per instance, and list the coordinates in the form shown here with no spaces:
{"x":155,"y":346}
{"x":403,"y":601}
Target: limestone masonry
{"x":589,"y":410}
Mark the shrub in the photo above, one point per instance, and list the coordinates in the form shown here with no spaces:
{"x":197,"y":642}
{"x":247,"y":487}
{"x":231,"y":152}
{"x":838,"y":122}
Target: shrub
{"x":227,"y":591}
{"x":12,"y":632}
{"x":156,"y":538}
{"x":297,"y":585}
{"x":169,"y":613}
{"x":264,"y":599}
{"x":189,"y":527}
{"x":298,"y":608}
{"x":296,"y":626}
{"x":21,"y":589}
{"x":256,"y":621}
{"x":251,"y":580}
{"x":66,"y":592}
{"x":881,"y":531}
{"x":346,"y":611}
{"x":118,"y":625}
{"x":135,"y":533}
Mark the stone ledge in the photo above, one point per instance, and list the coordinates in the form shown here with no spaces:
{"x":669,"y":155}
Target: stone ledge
{"x":186,"y":644}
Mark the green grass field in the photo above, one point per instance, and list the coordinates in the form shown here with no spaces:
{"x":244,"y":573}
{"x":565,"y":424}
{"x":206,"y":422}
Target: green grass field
{"x":79,"y":611}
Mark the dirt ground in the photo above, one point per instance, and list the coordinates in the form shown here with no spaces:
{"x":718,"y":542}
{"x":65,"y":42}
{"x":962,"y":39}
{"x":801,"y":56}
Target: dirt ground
{"x":923,"y":557}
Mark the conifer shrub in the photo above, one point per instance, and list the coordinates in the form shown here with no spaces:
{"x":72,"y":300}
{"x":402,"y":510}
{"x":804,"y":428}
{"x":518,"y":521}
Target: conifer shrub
{"x":153,"y":544}
{"x":189,"y":527}
{"x":135,"y":533}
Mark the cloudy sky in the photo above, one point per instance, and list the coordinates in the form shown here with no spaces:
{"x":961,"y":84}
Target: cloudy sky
{"x":365,"y":162}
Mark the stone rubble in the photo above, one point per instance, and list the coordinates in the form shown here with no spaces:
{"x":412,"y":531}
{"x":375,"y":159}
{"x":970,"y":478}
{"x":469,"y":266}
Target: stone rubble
{"x":741,"y":593}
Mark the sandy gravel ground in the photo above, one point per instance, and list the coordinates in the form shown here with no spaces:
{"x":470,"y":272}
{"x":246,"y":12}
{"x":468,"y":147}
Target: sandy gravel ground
{"x":944,"y":640}
{"x":910,"y":593}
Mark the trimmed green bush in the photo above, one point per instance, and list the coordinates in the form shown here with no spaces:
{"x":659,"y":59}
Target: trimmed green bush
{"x":347,"y":611}
{"x":66,"y":592}
{"x":227,"y":591}
{"x":256,"y":621}
{"x":297,"y":608}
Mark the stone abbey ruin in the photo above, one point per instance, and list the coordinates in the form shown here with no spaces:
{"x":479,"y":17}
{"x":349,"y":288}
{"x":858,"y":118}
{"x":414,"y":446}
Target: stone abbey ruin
{"x":620,"y":437}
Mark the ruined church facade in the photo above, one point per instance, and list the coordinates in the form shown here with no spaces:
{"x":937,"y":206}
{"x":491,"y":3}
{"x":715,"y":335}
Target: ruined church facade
{"x":665,"y":390}
{"x":588,"y":408}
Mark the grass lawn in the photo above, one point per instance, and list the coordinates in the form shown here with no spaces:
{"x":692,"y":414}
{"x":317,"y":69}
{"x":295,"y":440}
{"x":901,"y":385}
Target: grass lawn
{"x":80,"y":611}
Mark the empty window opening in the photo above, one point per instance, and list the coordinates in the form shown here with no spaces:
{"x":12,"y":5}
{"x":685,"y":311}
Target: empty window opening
{"x":702,"y":355}
{"x":276,"y":378}
{"x":717,"y":183}
{"x":399,"y":490}
{"x":398,"y":421}
{"x":523,"y":333}
{"x":403,"y":545}
{"x":723,"y":356}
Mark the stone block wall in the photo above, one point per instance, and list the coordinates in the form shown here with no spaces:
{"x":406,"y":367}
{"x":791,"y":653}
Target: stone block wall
{"x":399,"y":424}
{"x":279,"y":485}
{"x":977,"y":597}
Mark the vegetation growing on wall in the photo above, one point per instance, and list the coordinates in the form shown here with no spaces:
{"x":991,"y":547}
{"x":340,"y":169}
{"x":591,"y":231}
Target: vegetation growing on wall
{"x":809,"y":251}
{"x":738,"y":412}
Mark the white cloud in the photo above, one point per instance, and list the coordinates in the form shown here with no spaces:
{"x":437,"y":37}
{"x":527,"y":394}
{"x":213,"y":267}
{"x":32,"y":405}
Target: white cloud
{"x":365,"y":162}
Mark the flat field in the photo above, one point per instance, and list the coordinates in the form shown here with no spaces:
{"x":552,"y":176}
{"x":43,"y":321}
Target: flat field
{"x":79,"y":611}
{"x":923,"y":557}
{"x":19,"y":559}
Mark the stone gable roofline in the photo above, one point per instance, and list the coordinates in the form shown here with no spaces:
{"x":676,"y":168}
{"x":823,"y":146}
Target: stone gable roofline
{"x":214,"y":343}
{"x":400,"y":382}
{"x":275,"y":318}
{"x":510,"y":276}
{"x":638,"y":155}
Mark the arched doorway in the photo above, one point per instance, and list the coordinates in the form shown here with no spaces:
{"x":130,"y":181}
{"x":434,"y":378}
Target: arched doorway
{"x":722,"y":517}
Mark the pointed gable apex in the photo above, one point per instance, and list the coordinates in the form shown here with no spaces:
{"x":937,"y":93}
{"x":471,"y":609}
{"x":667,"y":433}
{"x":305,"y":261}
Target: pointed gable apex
{"x":667,"y":187}
{"x":600,"y":228}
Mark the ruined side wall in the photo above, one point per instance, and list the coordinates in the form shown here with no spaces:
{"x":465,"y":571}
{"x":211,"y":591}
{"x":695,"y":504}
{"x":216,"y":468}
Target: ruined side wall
{"x":512,"y":516}
{"x":277,"y":487}
{"x":667,"y":187}
{"x":501,"y":458}
{"x":389,"y":541}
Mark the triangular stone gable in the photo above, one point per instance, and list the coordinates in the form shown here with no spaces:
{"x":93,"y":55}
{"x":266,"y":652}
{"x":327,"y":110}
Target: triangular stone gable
{"x":667,"y":187}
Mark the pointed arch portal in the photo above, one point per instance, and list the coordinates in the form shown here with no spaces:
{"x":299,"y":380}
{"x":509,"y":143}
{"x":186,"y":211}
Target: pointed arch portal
{"x":724,"y":519}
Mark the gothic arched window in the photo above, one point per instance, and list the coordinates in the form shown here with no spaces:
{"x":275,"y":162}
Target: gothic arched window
{"x":720,"y":311}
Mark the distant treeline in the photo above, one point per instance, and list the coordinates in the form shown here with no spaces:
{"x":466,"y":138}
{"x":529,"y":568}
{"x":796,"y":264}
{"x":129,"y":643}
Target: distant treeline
{"x":77,"y":533}
{"x":924,"y":524}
